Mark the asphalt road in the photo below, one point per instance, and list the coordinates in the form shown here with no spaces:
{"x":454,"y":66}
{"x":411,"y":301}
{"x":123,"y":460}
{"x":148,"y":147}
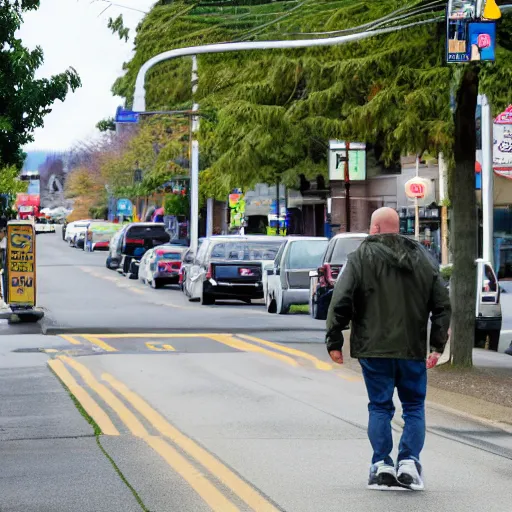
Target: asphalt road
{"x":181,"y":407}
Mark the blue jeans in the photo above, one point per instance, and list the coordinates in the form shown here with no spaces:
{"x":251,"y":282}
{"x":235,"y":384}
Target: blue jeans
{"x":382,"y":376}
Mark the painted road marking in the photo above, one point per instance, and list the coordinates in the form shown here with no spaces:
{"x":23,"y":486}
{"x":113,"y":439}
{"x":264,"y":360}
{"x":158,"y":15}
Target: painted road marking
{"x":319,"y":364}
{"x":99,"y":343}
{"x":70,"y":339}
{"x":227,"y":339}
{"x":241,"y":488}
{"x":87,"y":402}
{"x":199,"y":482}
{"x":128,"y":418}
{"x":150,"y":335}
{"x":159,"y":347}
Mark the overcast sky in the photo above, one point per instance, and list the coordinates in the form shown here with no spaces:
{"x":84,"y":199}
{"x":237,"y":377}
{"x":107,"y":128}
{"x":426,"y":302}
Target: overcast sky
{"x":74,"y":33}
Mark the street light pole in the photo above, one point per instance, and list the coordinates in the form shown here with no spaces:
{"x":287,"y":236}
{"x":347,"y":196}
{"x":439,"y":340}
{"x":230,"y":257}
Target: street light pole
{"x":487,"y":181}
{"x":194,"y":166}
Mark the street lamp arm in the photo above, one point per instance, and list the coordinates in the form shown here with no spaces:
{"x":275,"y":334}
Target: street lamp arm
{"x":139,"y":102}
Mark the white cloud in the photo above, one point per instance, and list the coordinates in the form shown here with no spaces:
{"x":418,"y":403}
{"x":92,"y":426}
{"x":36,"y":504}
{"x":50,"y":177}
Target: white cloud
{"x":74,"y":33}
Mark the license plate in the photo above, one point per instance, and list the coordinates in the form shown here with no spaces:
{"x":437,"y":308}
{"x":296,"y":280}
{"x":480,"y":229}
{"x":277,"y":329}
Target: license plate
{"x":246,"y":272}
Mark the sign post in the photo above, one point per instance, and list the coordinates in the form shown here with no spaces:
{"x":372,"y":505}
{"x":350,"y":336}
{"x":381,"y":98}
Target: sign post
{"x":20,"y":271}
{"x":417,"y":188}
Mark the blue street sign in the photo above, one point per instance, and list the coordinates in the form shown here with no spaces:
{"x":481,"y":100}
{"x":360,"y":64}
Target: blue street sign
{"x":124,"y":207}
{"x":126,"y":116}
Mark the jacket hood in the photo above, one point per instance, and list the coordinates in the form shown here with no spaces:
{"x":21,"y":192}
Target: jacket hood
{"x":395,"y":250}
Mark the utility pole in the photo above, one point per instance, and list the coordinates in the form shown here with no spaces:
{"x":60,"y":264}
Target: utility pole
{"x":347,"y":188}
{"x":278,"y":204}
{"x":487,"y":181}
{"x":416,"y":206}
{"x":443,"y":196}
{"x":194,"y":166}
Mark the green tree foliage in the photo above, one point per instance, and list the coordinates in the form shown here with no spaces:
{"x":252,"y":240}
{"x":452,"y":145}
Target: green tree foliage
{"x":106,"y":125}
{"x":117,"y":27}
{"x":270,"y":114}
{"x":10,"y":185}
{"x":24,"y":99}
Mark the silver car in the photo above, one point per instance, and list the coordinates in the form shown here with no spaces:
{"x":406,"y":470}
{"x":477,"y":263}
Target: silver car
{"x":288,"y":278}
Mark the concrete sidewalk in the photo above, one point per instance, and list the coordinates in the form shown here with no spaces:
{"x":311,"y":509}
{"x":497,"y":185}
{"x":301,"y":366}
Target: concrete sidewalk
{"x":50,"y":456}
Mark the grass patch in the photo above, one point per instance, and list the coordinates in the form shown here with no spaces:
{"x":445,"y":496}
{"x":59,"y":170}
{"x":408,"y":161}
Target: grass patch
{"x":302,"y":309}
{"x":121,"y":476}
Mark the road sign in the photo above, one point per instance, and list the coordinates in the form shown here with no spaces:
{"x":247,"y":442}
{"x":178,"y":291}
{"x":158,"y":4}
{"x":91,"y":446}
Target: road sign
{"x":126,"y":116}
{"x":124,"y":207}
{"x":417,"y":188}
{"x":356,"y":161}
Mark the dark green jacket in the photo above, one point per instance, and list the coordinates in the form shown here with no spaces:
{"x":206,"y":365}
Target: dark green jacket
{"x":388,"y":289}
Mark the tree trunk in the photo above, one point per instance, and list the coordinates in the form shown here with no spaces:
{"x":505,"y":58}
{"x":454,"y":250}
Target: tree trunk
{"x":464,"y":222}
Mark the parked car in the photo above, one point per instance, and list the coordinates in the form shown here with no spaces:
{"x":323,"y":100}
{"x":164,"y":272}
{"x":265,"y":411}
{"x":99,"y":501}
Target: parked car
{"x":131,"y":243}
{"x":288,"y":279}
{"x":161,"y":265}
{"x":43,"y":225}
{"x":73,"y":229}
{"x":187,"y":261}
{"x":230,"y":267}
{"x":323,"y":279}
{"x":488,"y":314}
{"x":99,"y":234}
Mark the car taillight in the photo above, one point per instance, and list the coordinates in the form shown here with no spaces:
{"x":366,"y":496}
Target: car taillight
{"x":135,"y":241}
{"x":209,"y":272}
{"x":331,"y":273}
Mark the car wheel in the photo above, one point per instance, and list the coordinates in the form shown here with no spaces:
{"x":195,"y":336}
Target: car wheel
{"x":480,"y":338}
{"x":317,"y":312}
{"x":271,"y":305}
{"x":126,"y":264}
{"x":494,"y":340}
{"x":112,"y":263}
{"x":156,"y":284}
{"x":207,"y":299}
{"x":282,"y":307}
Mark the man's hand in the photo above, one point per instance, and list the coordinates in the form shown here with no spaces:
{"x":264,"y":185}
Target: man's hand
{"x":433,"y":359}
{"x":336,"y":356}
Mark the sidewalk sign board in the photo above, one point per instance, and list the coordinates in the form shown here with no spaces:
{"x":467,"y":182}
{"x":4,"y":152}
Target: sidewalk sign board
{"x":21,"y":264}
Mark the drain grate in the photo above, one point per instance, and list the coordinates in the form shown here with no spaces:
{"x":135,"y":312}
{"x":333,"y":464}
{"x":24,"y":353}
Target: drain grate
{"x":28,"y":350}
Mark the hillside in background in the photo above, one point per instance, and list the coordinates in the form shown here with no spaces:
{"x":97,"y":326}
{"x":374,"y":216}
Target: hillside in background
{"x":35,"y":159}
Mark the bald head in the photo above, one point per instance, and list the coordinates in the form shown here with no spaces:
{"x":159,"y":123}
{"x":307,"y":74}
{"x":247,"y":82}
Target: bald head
{"x":384,"y":220}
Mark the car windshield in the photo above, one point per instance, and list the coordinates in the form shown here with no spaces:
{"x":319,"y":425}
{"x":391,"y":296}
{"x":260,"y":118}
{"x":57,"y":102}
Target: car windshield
{"x":343,"y":247}
{"x":306,"y":254}
{"x":146,"y":232}
{"x":246,"y":250}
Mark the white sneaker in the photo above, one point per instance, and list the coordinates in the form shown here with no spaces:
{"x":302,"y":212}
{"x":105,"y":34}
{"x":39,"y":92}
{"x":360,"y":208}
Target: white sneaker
{"x":409,"y":475}
{"x":382,"y":476}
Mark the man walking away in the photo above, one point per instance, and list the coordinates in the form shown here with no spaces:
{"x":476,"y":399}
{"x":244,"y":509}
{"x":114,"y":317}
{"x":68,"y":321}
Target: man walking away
{"x":388,"y":289}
